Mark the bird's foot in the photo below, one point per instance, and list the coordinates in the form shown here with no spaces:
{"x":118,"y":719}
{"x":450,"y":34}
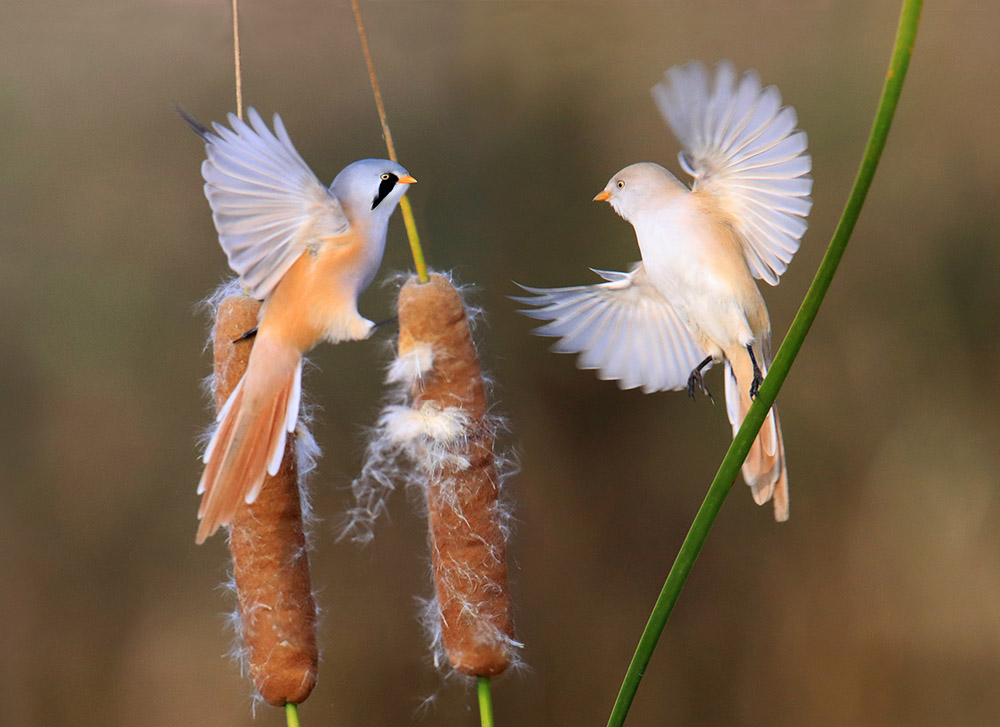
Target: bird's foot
{"x":758,"y":377}
{"x":696,"y":380}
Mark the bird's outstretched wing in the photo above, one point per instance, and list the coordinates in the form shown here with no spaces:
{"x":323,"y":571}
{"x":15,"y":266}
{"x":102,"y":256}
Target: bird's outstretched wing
{"x":623,"y":328}
{"x":267,"y":204}
{"x":742,"y":148}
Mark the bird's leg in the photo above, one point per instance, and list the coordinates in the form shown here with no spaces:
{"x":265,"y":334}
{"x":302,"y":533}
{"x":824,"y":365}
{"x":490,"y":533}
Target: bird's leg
{"x":386,"y":322}
{"x":695,"y":379}
{"x":758,"y":377}
{"x":244,"y":336}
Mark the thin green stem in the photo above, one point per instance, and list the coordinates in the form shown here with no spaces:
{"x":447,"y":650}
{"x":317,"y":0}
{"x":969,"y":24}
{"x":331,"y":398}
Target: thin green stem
{"x":291,"y":714}
{"x":485,"y":701}
{"x":728,"y":470}
{"x":414,"y":238}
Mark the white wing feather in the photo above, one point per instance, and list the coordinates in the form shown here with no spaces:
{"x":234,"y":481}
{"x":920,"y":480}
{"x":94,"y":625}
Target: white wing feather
{"x":623,"y":328}
{"x":267,"y":204}
{"x":742,"y":149}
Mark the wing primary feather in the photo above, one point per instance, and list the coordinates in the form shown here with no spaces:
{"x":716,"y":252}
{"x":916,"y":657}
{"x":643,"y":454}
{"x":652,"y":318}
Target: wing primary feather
{"x":744,"y":152}
{"x":267,"y":204}
{"x":623,"y":328}
{"x":195,"y":125}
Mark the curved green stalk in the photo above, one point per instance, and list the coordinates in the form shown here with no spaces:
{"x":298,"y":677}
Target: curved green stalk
{"x":291,"y":714}
{"x":485,"y":701}
{"x":728,"y":470}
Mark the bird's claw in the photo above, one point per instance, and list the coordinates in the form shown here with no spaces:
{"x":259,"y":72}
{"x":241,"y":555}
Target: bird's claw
{"x":246,"y":334}
{"x":696,"y":380}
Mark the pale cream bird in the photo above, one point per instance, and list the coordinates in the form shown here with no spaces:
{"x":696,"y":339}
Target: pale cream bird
{"x":307,"y":252}
{"x":692,"y":301}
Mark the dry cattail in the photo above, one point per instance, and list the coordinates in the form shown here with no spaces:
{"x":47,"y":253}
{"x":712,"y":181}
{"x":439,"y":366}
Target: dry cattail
{"x":271,"y":567}
{"x":467,"y":543}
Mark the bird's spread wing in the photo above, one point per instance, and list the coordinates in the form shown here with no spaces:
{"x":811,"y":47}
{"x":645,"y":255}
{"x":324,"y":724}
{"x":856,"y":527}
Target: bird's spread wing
{"x":743,"y":150}
{"x":623,"y":328}
{"x":267,"y":204}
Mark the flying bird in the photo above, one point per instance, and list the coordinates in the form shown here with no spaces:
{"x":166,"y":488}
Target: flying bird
{"x":308,"y":252}
{"x":692,"y":300}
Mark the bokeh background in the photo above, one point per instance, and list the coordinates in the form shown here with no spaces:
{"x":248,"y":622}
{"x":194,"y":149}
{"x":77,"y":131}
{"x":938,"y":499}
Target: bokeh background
{"x":877,"y":604}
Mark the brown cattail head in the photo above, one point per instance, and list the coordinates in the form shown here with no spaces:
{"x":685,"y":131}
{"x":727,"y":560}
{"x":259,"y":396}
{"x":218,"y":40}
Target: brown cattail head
{"x":276,"y":607}
{"x":467,"y":543}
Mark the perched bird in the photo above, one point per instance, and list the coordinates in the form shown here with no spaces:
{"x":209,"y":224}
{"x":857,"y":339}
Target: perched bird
{"x":307,"y":252}
{"x":692,"y":301}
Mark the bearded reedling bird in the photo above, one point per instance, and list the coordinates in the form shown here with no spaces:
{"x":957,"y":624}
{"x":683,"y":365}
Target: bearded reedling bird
{"x":307,"y":252}
{"x":692,"y":301}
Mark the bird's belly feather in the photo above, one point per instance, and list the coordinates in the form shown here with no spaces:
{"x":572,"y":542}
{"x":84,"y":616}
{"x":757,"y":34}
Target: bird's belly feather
{"x":705,"y":278}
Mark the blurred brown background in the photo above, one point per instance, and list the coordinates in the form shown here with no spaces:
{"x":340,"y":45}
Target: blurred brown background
{"x":877,"y":604}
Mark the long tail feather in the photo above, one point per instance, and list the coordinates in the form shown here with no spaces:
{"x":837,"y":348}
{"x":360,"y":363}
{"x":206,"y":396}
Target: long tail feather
{"x":764,"y":469}
{"x":251,"y":435}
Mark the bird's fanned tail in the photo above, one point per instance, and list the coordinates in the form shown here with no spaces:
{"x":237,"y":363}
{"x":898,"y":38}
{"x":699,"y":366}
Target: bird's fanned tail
{"x":249,"y":441}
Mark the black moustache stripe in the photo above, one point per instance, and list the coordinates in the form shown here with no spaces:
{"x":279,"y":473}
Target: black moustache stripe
{"x":384,"y":188}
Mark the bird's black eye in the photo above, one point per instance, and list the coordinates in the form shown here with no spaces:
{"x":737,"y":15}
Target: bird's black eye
{"x":621,"y":184}
{"x":385,"y":186}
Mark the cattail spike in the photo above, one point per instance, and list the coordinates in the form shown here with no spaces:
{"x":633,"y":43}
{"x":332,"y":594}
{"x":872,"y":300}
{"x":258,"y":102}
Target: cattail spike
{"x":467,"y":542}
{"x":276,"y":607}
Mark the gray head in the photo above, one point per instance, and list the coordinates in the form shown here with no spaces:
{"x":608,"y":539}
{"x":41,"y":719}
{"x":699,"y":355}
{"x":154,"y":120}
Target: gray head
{"x":370,"y":189}
{"x":639,"y":187}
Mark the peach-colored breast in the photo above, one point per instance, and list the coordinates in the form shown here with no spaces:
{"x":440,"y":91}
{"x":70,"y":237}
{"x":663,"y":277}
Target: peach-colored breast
{"x":319,"y":289}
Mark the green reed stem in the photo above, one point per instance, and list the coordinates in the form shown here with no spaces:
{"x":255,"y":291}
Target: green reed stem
{"x":291,"y":714}
{"x":485,"y":701}
{"x":902,"y":50}
{"x":411,"y":233}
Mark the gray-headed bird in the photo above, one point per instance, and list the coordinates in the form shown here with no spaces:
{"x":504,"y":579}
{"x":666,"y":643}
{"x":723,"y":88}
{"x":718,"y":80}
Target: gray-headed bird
{"x":692,"y":300}
{"x":308,"y":252}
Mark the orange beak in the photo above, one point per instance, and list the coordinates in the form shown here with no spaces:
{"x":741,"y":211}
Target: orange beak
{"x":407,"y":179}
{"x":603,"y":196}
